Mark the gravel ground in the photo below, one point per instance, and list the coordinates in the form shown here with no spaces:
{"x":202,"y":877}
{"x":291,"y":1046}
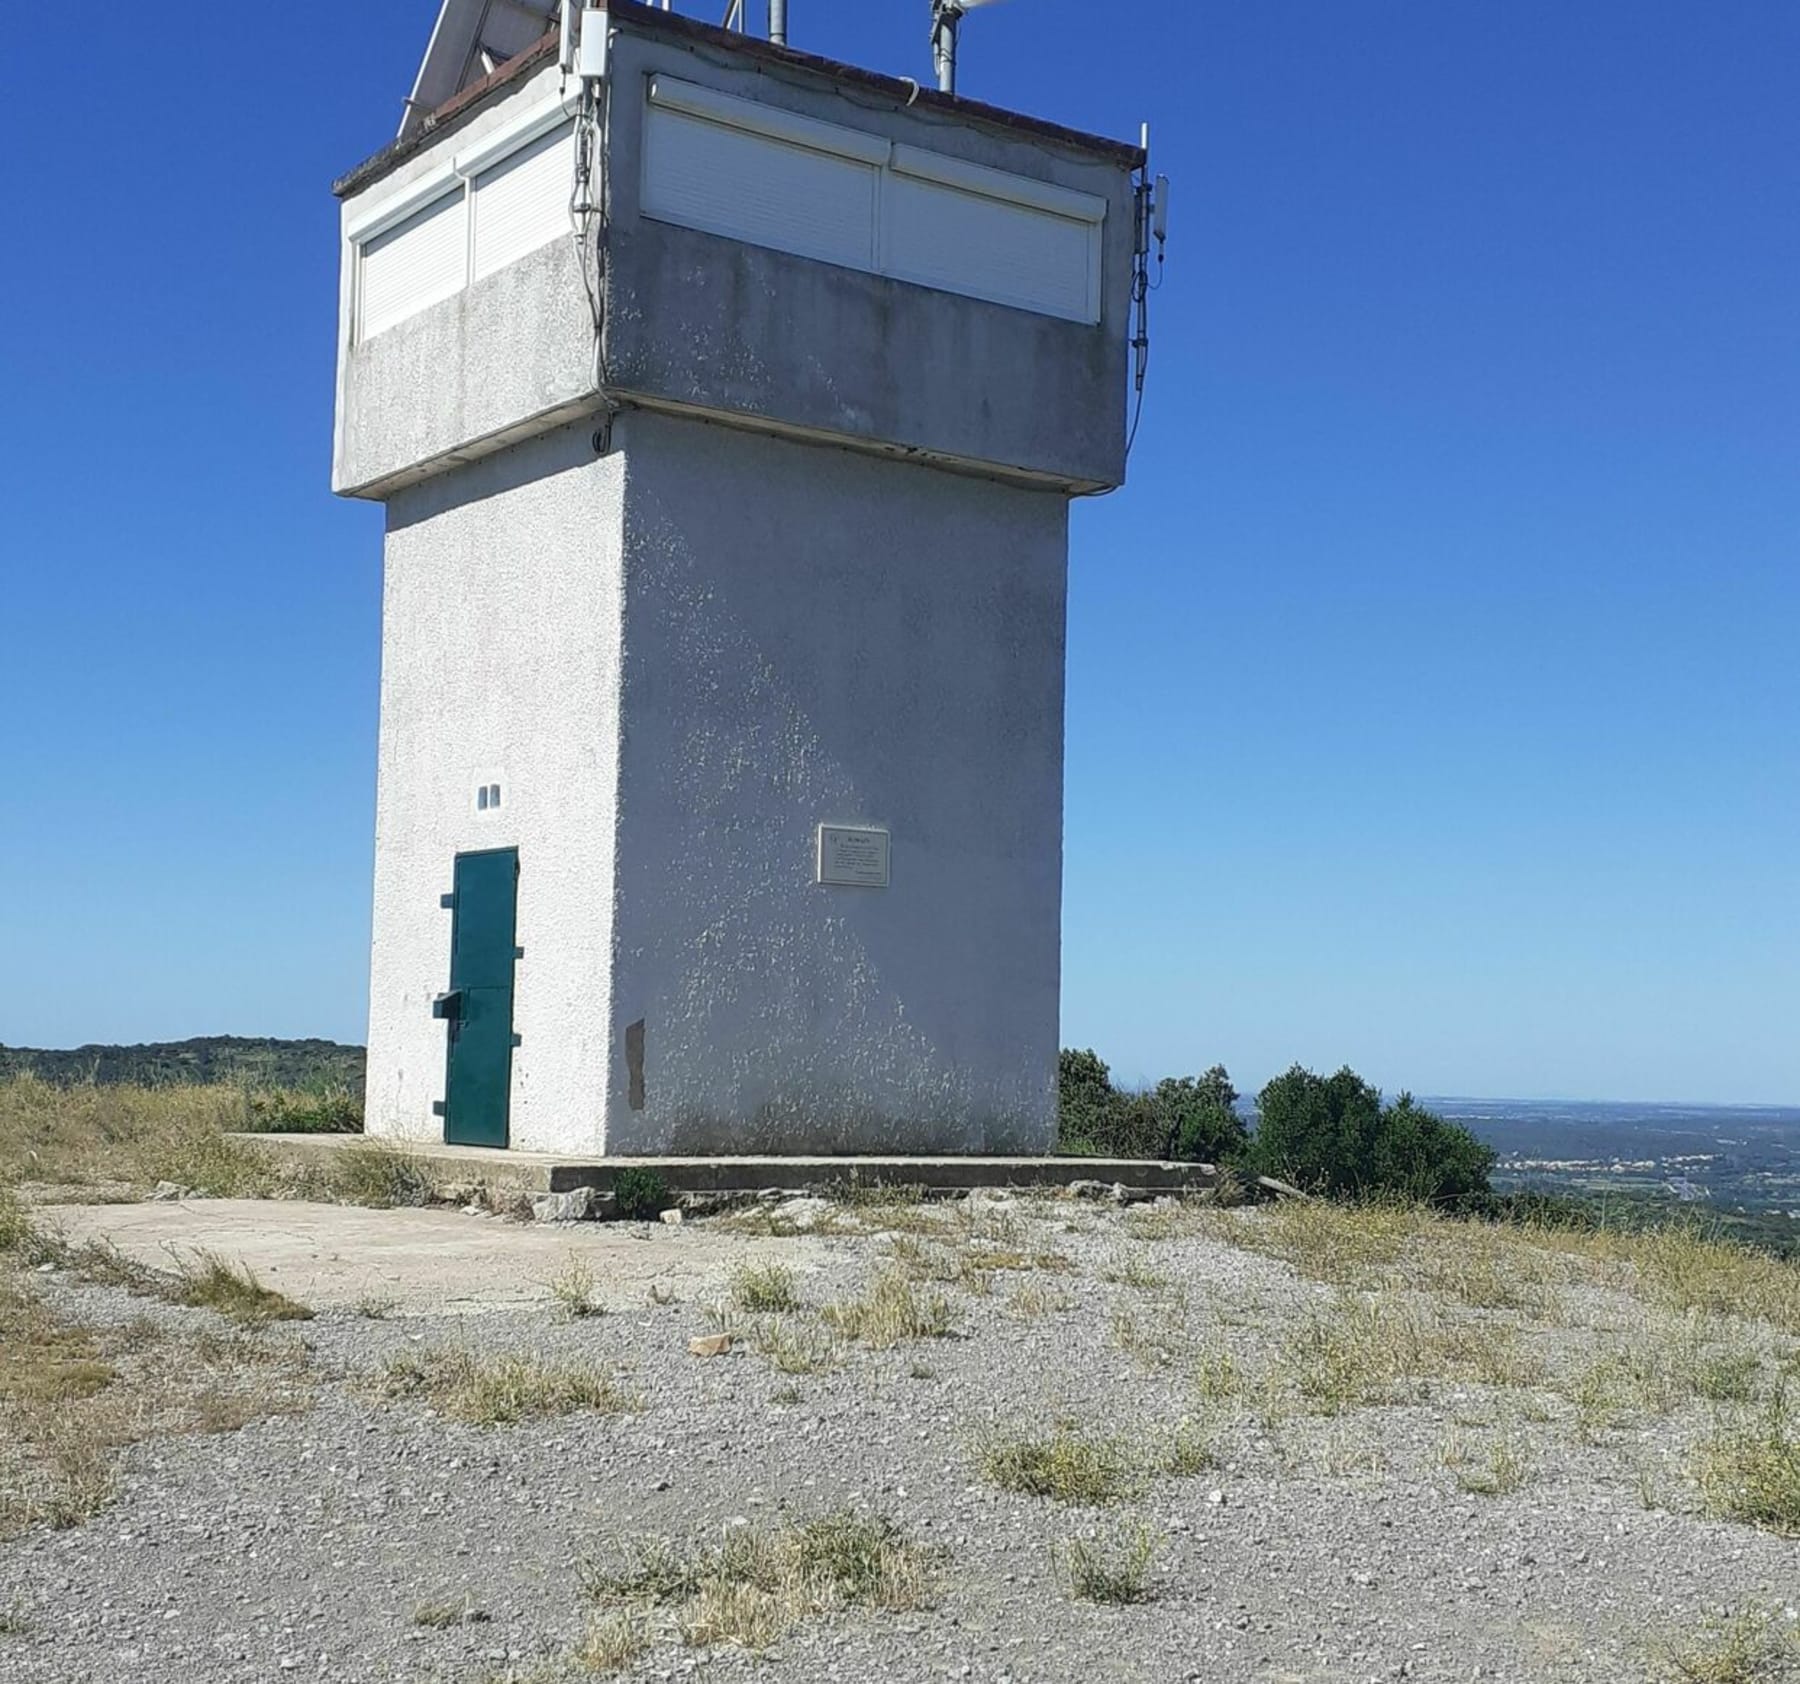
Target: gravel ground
{"x":1319,"y":1548}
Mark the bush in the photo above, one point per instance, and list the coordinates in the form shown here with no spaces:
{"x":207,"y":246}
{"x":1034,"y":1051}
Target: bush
{"x":1186,"y":1117}
{"x":317,"y":1109}
{"x":640,"y":1195}
{"x":1084,"y":1097}
{"x":1421,"y":1156}
{"x":1332,"y":1135}
{"x":1204,"y":1125}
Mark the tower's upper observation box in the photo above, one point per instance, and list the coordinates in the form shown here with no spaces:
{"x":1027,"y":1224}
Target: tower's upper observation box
{"x":777,"y":240}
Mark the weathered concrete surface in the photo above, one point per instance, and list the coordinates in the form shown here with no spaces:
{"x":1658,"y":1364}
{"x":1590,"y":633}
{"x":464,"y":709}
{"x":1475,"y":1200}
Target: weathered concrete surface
{"x":766,"y":338}
{"x":500,"y":663}
{"x":681,"y":646}
{"x":503,"y":357}
{"x":553,"y":1172}
{"x":812,"y":636}
{"x":739,"y":329}
{"x":425,"y":1261}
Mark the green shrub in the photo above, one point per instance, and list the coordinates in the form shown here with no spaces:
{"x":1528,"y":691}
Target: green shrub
{"x":318,"y":1109}
{"x":1084,"y":1096}
{"x":640,"y":1195}
{"x":1421,"y":1156}
{"x":1186,"y":1117}
{"x":1203,"y":1121}
{"x":1331,"y":1134}
{"x":381,"y":1176}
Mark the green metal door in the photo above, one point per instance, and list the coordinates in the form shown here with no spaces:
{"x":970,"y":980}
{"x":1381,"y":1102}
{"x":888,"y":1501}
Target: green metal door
{"x":478,"y":1010}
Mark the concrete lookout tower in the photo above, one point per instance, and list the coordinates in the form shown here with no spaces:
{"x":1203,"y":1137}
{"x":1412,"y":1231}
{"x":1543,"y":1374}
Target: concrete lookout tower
{"x":726,"y":404}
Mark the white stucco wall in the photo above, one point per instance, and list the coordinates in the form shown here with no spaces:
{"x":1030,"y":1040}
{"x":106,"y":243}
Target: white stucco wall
{"x":500,"y":663}
{"x":509,"y":354}
{"x":678,"y":661}
{"x":681,"y":658}
{"x":813,"y":635}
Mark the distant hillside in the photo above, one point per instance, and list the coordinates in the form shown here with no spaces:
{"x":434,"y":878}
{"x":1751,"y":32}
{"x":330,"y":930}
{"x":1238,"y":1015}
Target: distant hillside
{"x":258,"y":1061}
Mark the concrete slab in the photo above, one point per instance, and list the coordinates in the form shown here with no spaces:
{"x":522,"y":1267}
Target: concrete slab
{"x":424,"y":1261}
{"x":551,"y":1172}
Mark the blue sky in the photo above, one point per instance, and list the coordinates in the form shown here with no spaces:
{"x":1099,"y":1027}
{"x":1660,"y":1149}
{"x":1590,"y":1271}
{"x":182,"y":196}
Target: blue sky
{"x":1434,"y":690}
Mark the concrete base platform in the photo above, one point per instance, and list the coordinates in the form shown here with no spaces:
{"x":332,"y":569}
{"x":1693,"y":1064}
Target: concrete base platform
{"x":546,"y":1172}
{"x":425,"y":1261}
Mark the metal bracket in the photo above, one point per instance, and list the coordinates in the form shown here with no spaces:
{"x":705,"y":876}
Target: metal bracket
{"x":437,"y":1108}
{"x":447,"y":902}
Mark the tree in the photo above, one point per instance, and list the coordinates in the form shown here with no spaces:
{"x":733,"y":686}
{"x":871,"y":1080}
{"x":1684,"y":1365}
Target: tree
{"x":1200,"y":1113}
{"x":1084,"y":1098}
{"x":1332,"y":1135}
{"x":1191,"y":1117}
{"x":1317,"y":1132}
{"x":1420,"y":1155}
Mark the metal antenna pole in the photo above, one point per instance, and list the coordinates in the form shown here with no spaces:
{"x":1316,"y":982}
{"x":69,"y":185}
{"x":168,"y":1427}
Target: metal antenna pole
{"x":778,"y":22}
{"x":945,"y":16}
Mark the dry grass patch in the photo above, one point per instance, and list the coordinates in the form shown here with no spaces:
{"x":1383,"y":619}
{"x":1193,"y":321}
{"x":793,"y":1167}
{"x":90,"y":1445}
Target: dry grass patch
{"x":878,"y":1201}
{"x":1484,"y":1267}
{"x":104,"y":1140}
{"x":1150,"y":1341}
{"x":1189,"y":1450}
{"x":86,"y":1135}
{"x":613,"y":1642}
{"x":380,"y":1176}
{"x":73,"y":1396}
{"x":1031,"y":1299}
{"x":1135,"y":1271}
{"x":757,"y":1583}
{"x":1218,"y":1377}
{"x":440,"y":1616}
{"x":1345,"y":1245}
{"x":1170,"y":1219}
{"x":203,"y":1280}
{"x":988,"y":1257}
{"x":891,"y":1310}
{"x":572,"y":1290}
{"x":490,"y":1391}
{"x":1748,"y":1470}
{"x":1366,"y":1352}
{"x":1752,"y":1646}
{"x":1682,"y":1269}
{"x":764,"y":1288}
{"x":792,"y":1347}
{"x":1114,"y":1569}
{"x":1065,"y":1466}
{"x":1522,"y":1267}
{"x":1665,"y":1366}
{"x":210,"y":1282}
{"x":1494,"y":1467}
{"x":771,"y":1221}
{"x":953,"y":1256}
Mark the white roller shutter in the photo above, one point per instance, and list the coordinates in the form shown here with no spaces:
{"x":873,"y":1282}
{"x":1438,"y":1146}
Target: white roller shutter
{"x":770,"y":177}
{"x":414,"y":264}
{"x":753,"y":187}
{"x":523,"y":203}
{"x":1009,"y":253}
